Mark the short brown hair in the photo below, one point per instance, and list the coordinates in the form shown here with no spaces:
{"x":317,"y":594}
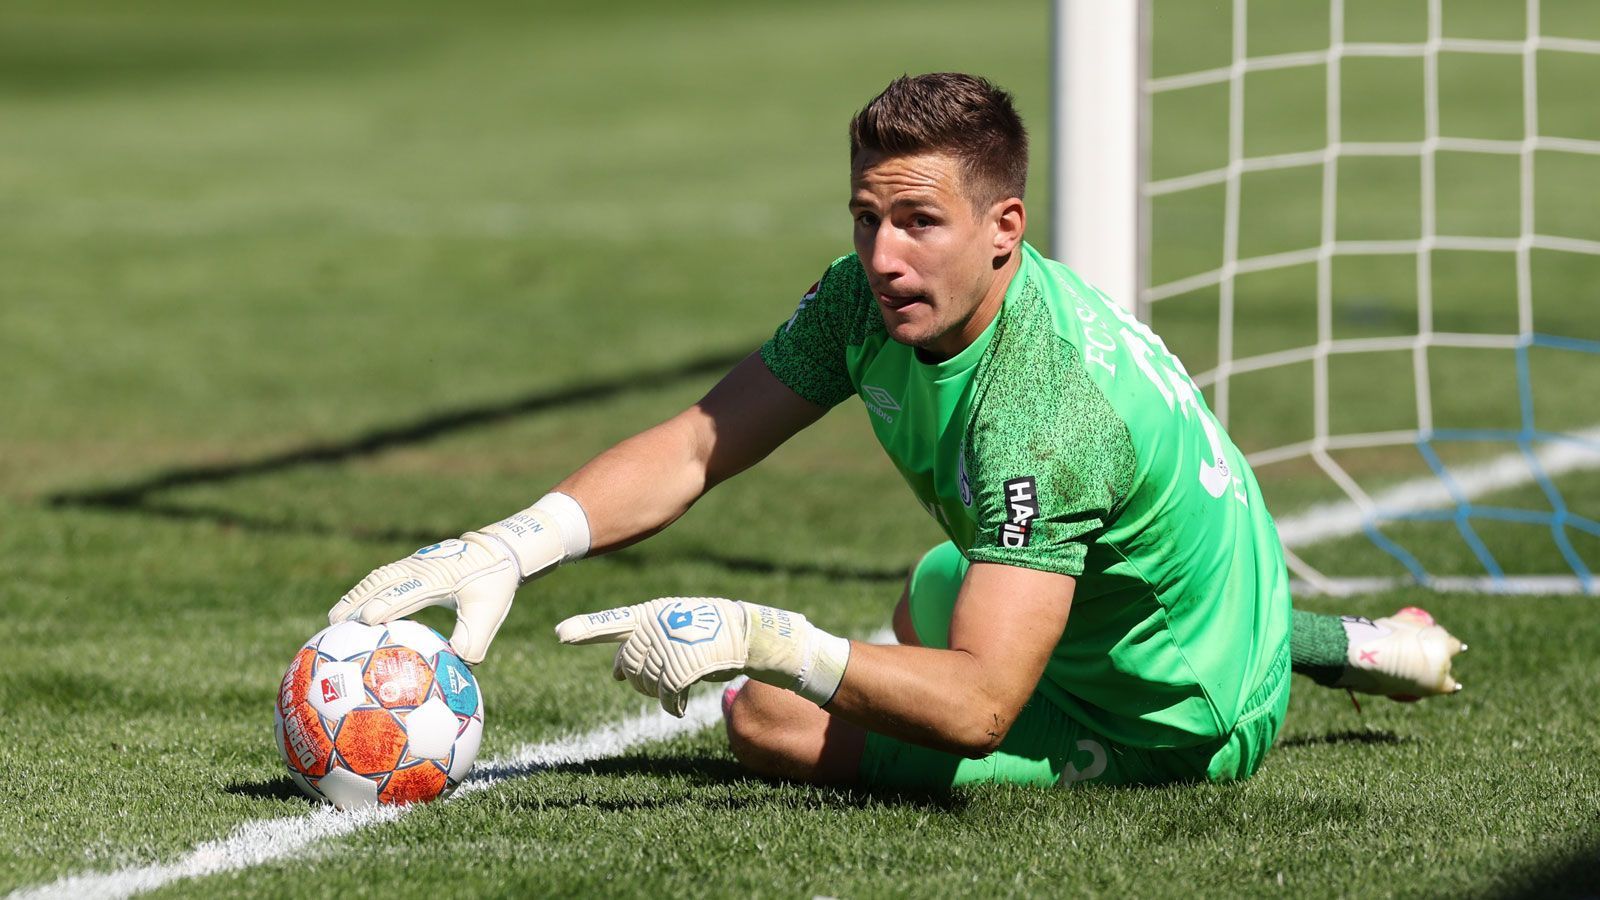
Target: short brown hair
{"x":949,"y":112}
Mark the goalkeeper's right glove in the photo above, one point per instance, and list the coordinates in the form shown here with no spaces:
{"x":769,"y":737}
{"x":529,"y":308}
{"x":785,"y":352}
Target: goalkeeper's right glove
{"x":477,"y":573}
{"x":670,"y":643}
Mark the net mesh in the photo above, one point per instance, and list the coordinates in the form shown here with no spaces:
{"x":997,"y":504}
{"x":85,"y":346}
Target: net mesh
{"x":1393,"y":189}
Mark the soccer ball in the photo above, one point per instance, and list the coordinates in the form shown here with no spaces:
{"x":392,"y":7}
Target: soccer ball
{"x":372,"y":714}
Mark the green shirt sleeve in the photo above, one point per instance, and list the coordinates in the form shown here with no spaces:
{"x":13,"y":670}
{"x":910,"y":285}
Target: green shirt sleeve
{"x":807,"y":353}
{"x":1049,"y":458}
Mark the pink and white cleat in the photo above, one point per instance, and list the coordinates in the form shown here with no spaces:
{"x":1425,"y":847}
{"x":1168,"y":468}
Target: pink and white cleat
{"x":1405,"y":656}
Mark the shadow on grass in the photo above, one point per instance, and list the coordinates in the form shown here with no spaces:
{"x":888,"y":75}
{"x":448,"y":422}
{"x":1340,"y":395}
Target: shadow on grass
{"x":709,"y":783}
{"x":280,"y":788}
{"x":633,"y":558}
{"x":142,"y":497}
{"x":747,"y":565}
{"x":732,"y":787}
{"x":135,"y":494}
{"x":1376,"y":736}
{"x":1574,"y":875}
{"x":231,"y":520}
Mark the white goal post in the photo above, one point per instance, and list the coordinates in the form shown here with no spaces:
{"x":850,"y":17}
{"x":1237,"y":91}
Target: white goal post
{"x":1105,"y":195}
{"x":1097,"y":113}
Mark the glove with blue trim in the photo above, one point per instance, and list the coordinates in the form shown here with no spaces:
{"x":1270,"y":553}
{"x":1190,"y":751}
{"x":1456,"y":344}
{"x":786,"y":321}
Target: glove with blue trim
{"x":670,"y":643}
{"x":477,"y":573}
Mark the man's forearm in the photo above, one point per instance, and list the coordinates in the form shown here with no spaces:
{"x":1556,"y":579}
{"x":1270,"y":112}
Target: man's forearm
{"x":964,"y":700}
{"x":627,"y":493}
{"x":936,"y":698}
{"x":641,"y":485}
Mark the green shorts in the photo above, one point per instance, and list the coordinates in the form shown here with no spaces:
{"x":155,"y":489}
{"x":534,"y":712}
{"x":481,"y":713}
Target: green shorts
{"x":1047,"y":747}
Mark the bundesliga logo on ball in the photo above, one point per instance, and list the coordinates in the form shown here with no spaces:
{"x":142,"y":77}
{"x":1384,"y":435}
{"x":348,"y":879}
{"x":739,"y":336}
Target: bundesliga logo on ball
{"x":373,"y":714}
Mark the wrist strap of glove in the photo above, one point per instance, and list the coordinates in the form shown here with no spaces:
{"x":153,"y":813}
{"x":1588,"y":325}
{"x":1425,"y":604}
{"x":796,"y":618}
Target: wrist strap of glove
{"x":786,"y":650}
{"x":552,"y":531}
{"x":824,"y":668}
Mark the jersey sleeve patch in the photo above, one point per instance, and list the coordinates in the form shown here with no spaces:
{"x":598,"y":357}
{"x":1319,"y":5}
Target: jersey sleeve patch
{"x":1022,"y":507}
{"x":807,"y":353}
{"x":1049,"y":458}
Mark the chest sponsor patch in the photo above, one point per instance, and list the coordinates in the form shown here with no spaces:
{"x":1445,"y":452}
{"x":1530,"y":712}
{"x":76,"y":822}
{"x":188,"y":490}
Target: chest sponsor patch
{"x":1022,"y":506}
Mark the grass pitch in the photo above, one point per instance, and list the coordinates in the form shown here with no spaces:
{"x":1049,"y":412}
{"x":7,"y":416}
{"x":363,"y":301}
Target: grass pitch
{"x":285,"y":293}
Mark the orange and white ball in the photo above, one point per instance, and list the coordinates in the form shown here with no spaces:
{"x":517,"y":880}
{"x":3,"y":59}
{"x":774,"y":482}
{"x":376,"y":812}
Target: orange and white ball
{"x":373,"y":714}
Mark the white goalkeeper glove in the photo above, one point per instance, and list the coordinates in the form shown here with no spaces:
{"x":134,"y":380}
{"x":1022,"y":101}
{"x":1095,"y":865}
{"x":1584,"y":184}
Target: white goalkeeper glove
{"x":477,"y":573}
{"x":670,"y":643}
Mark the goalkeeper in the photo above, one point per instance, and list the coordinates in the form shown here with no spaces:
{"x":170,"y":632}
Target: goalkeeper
{"x":1111,"y":604}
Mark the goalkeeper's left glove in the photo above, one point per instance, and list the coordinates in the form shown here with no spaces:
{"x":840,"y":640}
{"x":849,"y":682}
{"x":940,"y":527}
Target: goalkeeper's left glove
{"x":670,"y":643}
{"x":477,"y":573}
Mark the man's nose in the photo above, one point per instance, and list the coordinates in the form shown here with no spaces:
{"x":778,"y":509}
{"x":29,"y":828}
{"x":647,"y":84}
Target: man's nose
{"x":887,"y":246}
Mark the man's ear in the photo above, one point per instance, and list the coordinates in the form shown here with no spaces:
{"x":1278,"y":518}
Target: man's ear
{"x":1010,"y":220}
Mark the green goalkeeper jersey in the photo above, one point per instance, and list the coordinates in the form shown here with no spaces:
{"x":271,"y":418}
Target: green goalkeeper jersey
{"x":1067,"y":438}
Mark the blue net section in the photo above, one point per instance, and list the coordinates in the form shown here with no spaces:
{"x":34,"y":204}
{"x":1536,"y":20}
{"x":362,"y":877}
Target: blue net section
{"x":1560,"y":519}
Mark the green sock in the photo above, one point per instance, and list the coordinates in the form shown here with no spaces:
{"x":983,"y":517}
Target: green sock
{"x":1318,"y":646}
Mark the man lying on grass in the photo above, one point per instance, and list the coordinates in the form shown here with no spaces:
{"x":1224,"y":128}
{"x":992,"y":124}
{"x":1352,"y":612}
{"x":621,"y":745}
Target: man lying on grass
{"x":1066,"y":454}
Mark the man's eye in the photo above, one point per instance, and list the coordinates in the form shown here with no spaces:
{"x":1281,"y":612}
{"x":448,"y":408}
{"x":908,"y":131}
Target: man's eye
{"x":922,"y":222}
{"x":866,"y":220}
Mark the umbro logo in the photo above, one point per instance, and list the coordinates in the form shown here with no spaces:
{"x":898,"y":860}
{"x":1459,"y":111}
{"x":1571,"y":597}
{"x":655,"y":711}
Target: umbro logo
{"x":880,"y":401}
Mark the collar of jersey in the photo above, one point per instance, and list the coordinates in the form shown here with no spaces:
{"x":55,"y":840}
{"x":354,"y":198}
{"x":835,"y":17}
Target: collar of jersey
{"x":962,"y":362}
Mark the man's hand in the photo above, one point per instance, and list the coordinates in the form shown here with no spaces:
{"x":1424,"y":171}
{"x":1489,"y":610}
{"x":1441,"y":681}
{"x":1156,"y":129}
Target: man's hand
{"x":477,"y":573}
{"x":474,"y":573}
{"x":670,"y":643}
{"x":1405,"y":656}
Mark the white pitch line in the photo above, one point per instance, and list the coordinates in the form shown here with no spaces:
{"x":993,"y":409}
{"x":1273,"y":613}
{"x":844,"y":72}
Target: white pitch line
{"x":251,"y":844}
{"x":264,"y":841}
{"x":704,"y":708}
{"x":1327,"y":521}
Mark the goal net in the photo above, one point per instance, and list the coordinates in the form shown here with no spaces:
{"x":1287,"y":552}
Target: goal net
{"x":1371,"y":229}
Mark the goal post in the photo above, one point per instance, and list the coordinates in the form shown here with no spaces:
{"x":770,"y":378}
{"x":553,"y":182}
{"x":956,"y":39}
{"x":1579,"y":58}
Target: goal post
{"x":1372,"y":231}
{"x":1098,"y":64}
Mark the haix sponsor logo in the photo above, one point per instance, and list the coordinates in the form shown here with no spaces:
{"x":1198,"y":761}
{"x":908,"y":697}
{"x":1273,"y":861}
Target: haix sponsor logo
{"x":880,"y":401}
{"x":332,"y":688}
{"x":1022,"y":505}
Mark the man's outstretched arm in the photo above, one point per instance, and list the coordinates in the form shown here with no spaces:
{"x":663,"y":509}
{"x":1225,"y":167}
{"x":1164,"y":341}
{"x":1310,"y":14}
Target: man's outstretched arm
{"x":1007,"y":621}
{"x":625,"y":494}
{"x":644,"y":483}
